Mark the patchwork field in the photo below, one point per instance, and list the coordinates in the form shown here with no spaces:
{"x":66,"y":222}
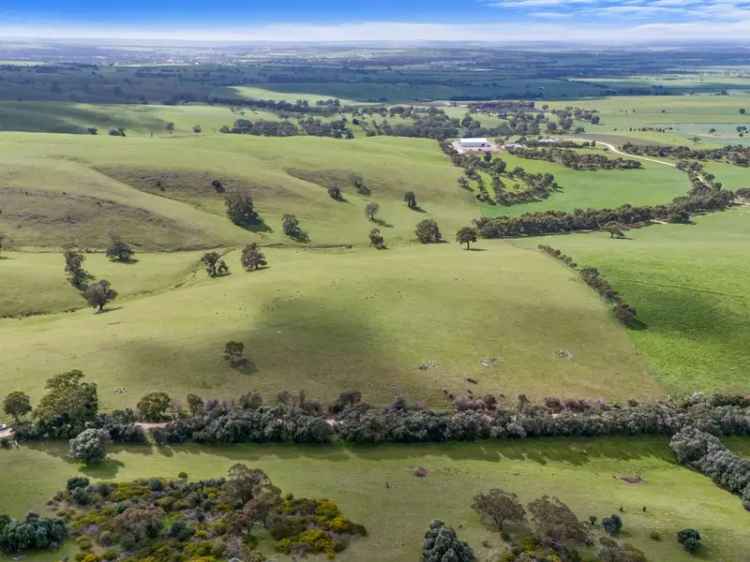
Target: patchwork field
{"x":585,"y":474}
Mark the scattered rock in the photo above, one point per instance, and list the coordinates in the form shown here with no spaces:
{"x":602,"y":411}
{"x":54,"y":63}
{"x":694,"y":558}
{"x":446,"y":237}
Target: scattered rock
{"x":564,"y":354}
{"x":632,"y":479}
{"x":421,"y":472}
{"x":472,"y":381}
{"x":489,"y":362}
{"x":427,"y":365}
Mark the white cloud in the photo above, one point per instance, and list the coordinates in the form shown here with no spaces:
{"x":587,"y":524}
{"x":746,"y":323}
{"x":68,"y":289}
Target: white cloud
{"x":610,"y":33}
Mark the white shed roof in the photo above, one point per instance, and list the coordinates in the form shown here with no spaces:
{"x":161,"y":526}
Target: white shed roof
{"x":474,"y":141}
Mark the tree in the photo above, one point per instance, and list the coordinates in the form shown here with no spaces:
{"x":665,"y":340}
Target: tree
{"x":376,"y":239}
{"x":428,"y":232}
{"x":335,"y":193}
{"x":218,"y":186}
{"x":466,"y":235}
{"x":197,"y":129}
{"x":360,"y":186}
{"x":2,"y":239}
{"x":252,"y":257}
{"x":119,"y":251}
{"x":463,"y":182}
{"x":90,"y":446}
{"x":442,"y":545}
{"x":153,"y":407}
{"x":497,"y":507}
{"x":99,"y":294}
{"x":371,"y":209}
{"x":556,"y":521}
{"x":411,"y":199}
{"x":743,"y":111}
{"x":195,"y":404}
{"x":290,"y":226}
{"x":69,"y":400}
{"x":77,"y":276}
{"x":17,"y":404}
{"x":612,"y":524}
{"x":690,"y":539}
{"x":169,"y":127}
{"x":241,"y":209}
{"x":234,"y":354}
{"x":215,"y":266}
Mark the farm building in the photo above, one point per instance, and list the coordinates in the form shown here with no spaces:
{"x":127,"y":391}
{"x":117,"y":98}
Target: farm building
{"x":474,"y":143}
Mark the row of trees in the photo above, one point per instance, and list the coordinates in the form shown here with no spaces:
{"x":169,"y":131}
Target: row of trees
{"x":560,"y":222}
{"x":575,"y":160}
{"x":734,"y":154}
{"x":591,"y":276}
{"x":705,"y":453}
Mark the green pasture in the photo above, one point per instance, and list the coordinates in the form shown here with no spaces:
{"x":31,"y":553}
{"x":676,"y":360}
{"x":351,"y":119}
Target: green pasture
{"x":688,"y":115}
{"x":654,"y":184}
{"x":377,"y":487}
{"x":690,"y":285}
{"x":35,"y":283}
{"x":329,"y":321}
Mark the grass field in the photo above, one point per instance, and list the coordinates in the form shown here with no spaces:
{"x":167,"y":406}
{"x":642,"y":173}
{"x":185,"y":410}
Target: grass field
{"x":583,"y":473}
{"x":688,"y":116}
{"x":654,"y":184}
{"x":690,"y":284}
{"x":34,"y":283}
{"x":359,"y":319}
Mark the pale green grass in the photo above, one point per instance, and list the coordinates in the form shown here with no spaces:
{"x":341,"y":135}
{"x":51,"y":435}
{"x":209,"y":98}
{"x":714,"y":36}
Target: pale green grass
{"x":253,"y":92}
{"x":325,"y":322}
{"x":583,"y":473}
{"x":35,"y":283}
{"x":138,"y":120}
{"x":690,"y":284}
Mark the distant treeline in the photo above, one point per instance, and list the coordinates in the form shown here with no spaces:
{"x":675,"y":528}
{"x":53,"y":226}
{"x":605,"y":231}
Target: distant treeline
{"x":734,"y":154}
{"x":315,"y":127}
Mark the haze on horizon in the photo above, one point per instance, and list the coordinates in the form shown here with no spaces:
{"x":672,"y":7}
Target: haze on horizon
{"x":597,"y":21}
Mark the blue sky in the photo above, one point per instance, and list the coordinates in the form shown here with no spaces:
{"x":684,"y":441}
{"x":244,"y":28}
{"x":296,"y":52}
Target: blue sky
{"x":596,"y":20}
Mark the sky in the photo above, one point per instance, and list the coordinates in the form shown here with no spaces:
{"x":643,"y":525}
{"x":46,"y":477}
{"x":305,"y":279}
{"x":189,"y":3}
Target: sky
{"x":601,"y":21}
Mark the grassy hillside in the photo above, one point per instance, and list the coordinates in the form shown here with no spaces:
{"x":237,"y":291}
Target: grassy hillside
{"x":583,"y":473}
{"x":326,"y":322}
{"x":68,"y":165}
{"x":34,"y":283}
{"x":690,"y":284}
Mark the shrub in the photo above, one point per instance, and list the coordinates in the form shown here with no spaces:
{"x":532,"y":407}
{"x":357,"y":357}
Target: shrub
{"x":690,"y":539}
{"x":90,"y":446}
{"x":428,"y":232}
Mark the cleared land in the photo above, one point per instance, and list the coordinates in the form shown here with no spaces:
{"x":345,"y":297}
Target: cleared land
{"x":690,"y":284}
{"x":586,"y":474}
{"x":330,"y":321}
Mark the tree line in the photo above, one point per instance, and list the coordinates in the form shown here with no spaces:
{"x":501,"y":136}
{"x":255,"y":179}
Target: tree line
{"x":576,"y":161}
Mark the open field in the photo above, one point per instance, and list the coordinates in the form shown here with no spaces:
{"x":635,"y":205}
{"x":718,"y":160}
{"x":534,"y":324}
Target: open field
{"x":34,"y":283}
{"x":140,"y":120}
{"x":688,"y":116}
{"x":357,"y":319}
{"x":583,"y":473}
{"x":690,"y":285}
{"x":654,"y":184}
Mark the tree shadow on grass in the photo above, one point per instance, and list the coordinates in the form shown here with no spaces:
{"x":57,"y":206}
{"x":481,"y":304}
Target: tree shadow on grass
{"x":381,"y":222}
{"x":418,"y":209}
{"x":106,"y":470}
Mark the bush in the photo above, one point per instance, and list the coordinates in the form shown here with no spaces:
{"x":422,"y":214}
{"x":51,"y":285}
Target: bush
{"x":90,"y":446}
{"x":612,"y":524}
{"x":428,"y":232}
{"x":442,"y":545}
{"x":690,"y":539}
